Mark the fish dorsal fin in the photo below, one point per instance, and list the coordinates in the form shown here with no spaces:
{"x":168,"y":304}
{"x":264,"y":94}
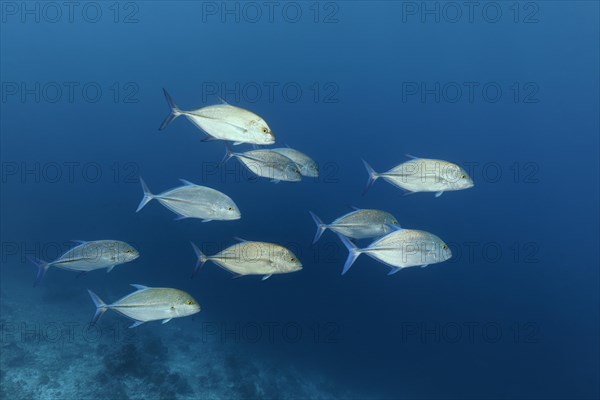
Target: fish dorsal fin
{"x":222,"y":101}
{"x":186,"y":182}
{"x":394,"y":227}
{"x":264,"y":278}
{"x":139,"y":287}
{"x":354,"y":208}
{"x":412,"y":157}
{"x":241,"y":240}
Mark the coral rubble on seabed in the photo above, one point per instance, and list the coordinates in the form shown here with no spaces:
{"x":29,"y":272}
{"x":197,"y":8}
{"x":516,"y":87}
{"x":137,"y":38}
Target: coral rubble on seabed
{"x":159,"y":362}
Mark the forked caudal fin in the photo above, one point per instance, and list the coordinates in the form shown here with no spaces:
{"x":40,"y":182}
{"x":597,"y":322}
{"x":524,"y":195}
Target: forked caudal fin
{"x":147,"y":195}
{"x":353,"y":253}
{"x":200,"y":261}
{"x":320,"y":226}
{"x":42,"y":268}
{"x":372,"y":176}
{"x":173,"y":113}
{"x":101,"y":307}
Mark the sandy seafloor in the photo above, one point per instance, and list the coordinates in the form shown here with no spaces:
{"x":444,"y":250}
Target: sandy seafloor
{"x":49,"y":352}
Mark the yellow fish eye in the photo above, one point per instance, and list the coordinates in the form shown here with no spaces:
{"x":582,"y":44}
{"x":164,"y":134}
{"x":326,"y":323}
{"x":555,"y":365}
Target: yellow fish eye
{"x":265,"y":130}
{"x":444,"y":247}
{"x":189,"y":302}
{"x":292,"y":259}
{"x":463,"y":177}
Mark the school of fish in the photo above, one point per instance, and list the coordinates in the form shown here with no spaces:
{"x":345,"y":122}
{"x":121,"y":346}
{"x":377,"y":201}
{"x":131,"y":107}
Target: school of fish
{"x":392,"y":245}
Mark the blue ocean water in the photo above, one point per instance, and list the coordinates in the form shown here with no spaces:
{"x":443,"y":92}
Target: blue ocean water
{"x":507,"y":90}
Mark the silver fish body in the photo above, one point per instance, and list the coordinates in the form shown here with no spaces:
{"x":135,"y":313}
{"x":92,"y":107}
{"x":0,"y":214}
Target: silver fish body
{"x":253,"y":258}
{"x":89,"y":256}
{"x":225,"y":122}
{"x":424,"y":175}
{"x":194,"y":201}
{"x":359,"y":224}
{"x":401,"y":249}
{"x":149,"y":304}
{"x":268,"y":164}
{"x":305,"y":164}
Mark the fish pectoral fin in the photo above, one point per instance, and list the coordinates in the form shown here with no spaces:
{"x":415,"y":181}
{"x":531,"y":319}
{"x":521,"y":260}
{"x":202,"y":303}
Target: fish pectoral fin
{"x":206,"y":220}
{"x":394,"y":270}
{"x":69,"y":261}
{"x":109,"y":268}
{"x":237,"y":143}
{"x":180,"y":217}
{"x":136,"y":324}
{"x":209,"y":138}
{"x":164,"y":321}
{"x":438,"y":194}
{"x":237,"y":276}
{"x":264,"y":278}
{"x":424,"y":265}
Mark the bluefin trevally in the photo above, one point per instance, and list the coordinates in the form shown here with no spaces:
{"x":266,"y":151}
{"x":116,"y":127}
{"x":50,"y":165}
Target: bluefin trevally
{"x":149,"y":304}
{"x":359,"y":224}
{"x":305,"y":164}
{"x":401,"y":249}
{"x":252,"y":258}
{"x":224,"y":122}
{"x":423,"y":175}
{"x":267,"y":164}
{"x":88,"y":256}
{"x":194,"y":201}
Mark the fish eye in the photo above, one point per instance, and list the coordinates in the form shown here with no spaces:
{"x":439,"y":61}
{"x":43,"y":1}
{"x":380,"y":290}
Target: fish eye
{"x":230,"y":208}
{"x":395,"y":222}
{"x":444,"y":247}
{"x":292,"y":259}
{"x":265,"y":130}
{"x":189,"y":302}
{"x":172,"y":307}
{"x":463,"y":177}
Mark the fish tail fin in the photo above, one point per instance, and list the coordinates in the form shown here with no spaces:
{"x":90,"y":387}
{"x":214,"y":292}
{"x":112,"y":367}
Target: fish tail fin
{"x":147,"y":195}
{"x":372,"y":176}
{"x":174,"y":113}
{"x":320,"y":226}
{"x":42,"y":268}
{"x":101,"y":307}
{"x":200,"y":261}
{"x":228,"y":154}
{"x":353,"y":253}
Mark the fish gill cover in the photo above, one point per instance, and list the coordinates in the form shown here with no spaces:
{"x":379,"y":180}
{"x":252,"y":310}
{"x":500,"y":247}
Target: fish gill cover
{"x":312,"y":200}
